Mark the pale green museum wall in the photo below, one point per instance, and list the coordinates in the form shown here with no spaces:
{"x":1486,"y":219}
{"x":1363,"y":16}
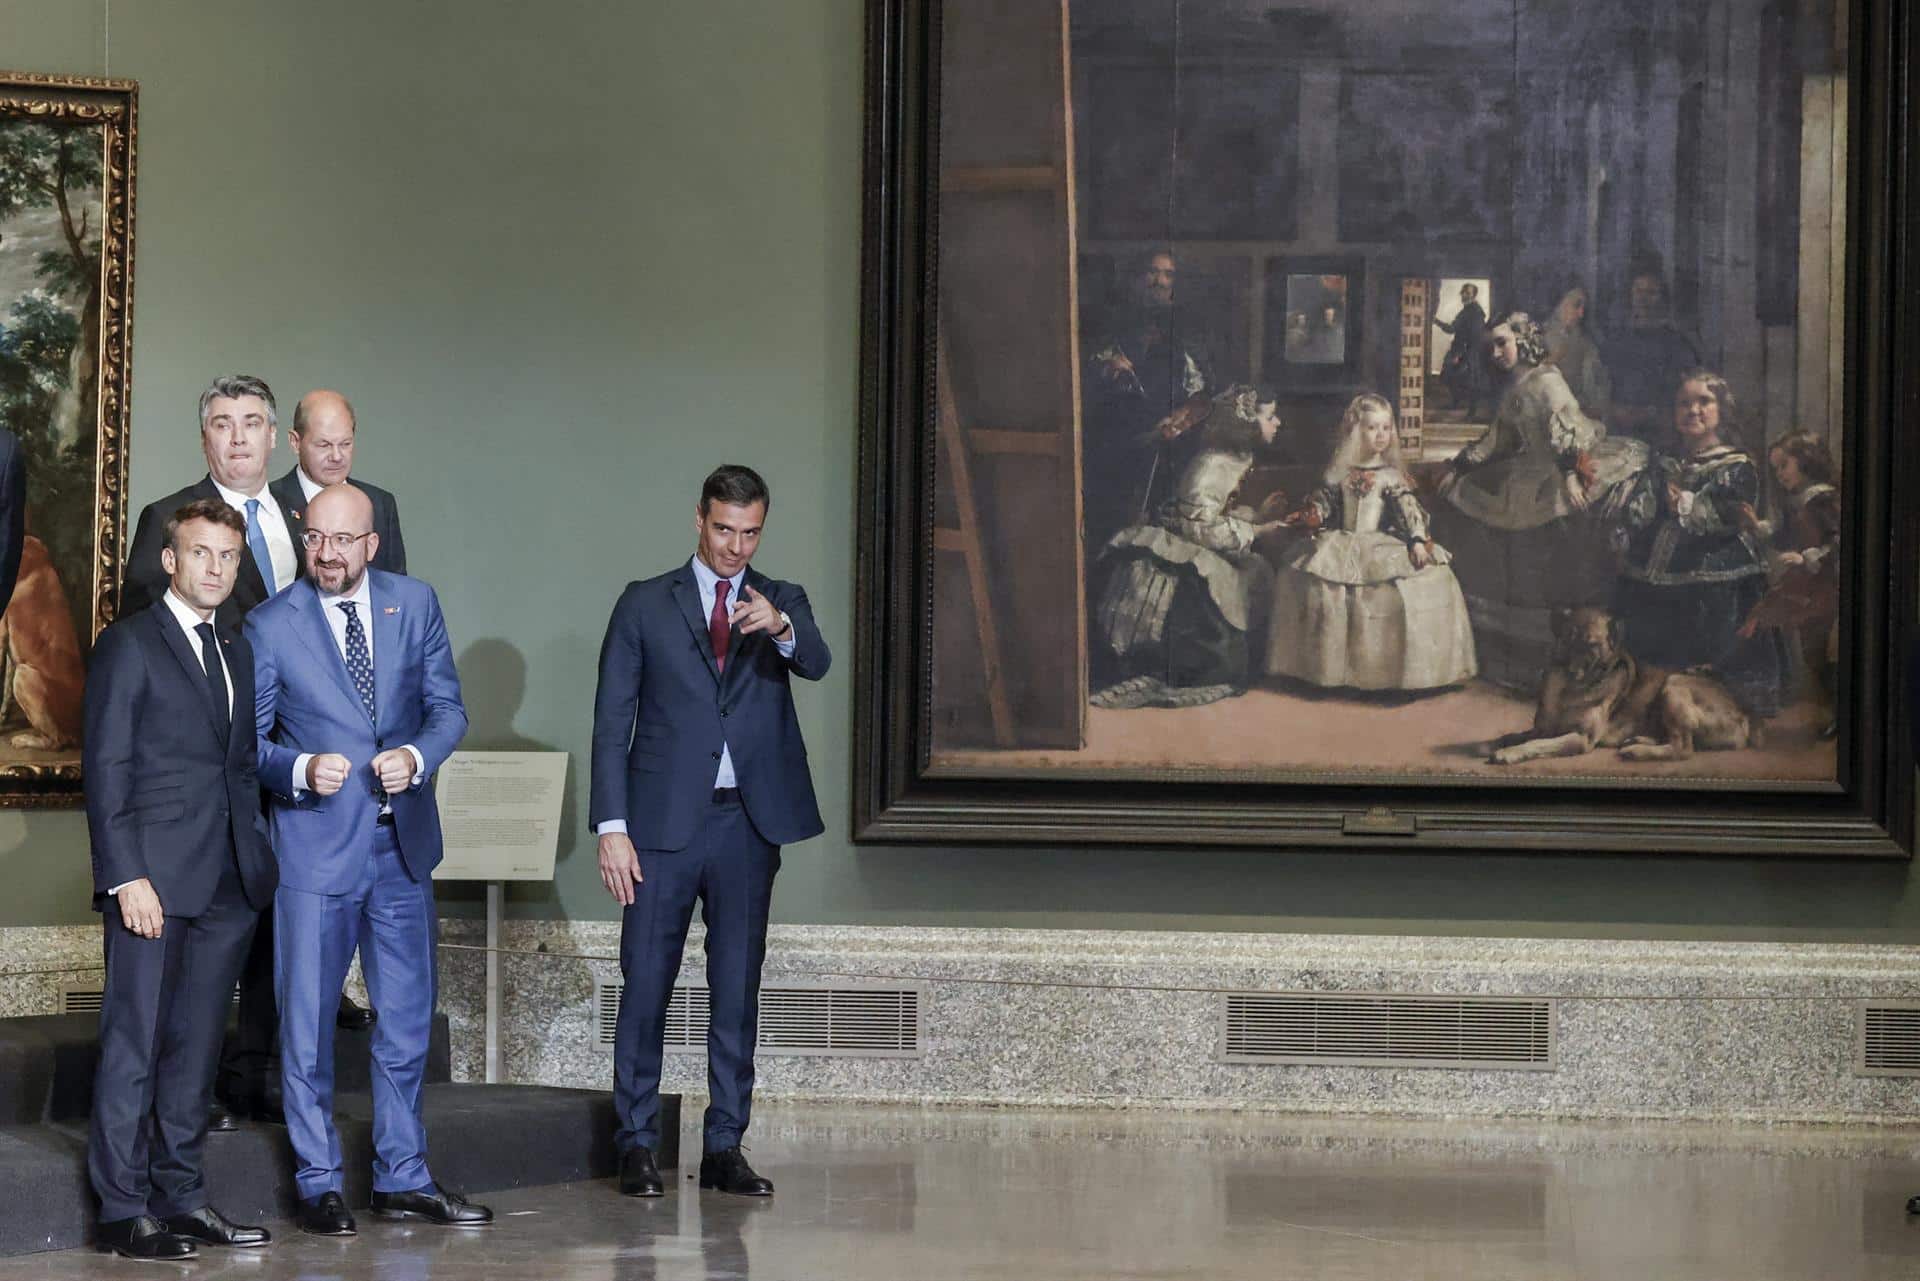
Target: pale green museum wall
{"x":565,"y":256}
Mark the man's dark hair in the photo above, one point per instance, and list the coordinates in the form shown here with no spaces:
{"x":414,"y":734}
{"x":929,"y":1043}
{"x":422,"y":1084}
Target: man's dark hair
{"x":207,"y":509}
{"x":736,"y":485}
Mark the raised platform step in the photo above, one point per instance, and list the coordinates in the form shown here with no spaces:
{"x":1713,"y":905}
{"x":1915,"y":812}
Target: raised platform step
{"x":483,"y":1138}
{"x":47,"y":1063}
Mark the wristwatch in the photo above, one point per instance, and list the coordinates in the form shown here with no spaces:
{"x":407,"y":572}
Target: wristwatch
{"x":786,"y":626}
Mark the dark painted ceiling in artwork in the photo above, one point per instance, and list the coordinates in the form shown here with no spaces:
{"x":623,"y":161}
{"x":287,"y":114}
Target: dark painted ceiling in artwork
{"x":1431,"y":33}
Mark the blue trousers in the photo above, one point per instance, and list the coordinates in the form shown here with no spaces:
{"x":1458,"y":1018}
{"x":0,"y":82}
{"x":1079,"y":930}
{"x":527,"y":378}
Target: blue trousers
{"x":729,"y":867}
{"x":391,"y":917}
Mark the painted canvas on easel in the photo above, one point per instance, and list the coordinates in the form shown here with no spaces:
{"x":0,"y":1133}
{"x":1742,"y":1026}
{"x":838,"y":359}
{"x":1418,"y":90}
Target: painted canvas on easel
{"x":1210,"y":502}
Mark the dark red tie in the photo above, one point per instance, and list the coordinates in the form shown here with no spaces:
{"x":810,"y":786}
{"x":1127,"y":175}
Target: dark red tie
{"x":717,"y":626}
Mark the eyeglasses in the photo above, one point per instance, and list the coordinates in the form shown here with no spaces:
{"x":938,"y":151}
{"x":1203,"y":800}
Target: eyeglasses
{"x":313,"y":539}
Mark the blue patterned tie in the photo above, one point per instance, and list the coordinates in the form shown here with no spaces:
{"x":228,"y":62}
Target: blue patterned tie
{"x":359,"y":661}
{"x":257,"y":544}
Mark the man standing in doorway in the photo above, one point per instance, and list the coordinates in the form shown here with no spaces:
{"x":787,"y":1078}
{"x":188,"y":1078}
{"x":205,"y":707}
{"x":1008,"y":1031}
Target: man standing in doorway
{"x":699,"y":777}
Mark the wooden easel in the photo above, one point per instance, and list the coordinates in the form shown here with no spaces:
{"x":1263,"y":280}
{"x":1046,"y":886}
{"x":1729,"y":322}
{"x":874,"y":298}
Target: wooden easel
{"x":964,"y":540}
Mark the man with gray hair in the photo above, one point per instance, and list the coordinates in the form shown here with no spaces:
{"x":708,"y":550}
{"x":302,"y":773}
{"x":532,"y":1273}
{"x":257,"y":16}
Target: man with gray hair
{"x":237,"y":422}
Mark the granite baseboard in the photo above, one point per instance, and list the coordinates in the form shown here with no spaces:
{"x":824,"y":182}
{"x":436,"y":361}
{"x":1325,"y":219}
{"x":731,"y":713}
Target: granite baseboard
{"x":1700,"y":1031}
{"x":1683,"y":1031}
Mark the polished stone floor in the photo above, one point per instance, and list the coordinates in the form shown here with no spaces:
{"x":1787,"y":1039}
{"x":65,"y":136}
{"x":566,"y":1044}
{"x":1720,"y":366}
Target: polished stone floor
{"x":898,"y":1194}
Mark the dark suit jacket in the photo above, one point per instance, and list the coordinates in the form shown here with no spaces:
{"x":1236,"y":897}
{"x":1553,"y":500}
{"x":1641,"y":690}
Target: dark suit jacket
{"x":146,"y":580}
{"x":167,"y":796}
{"x":13,"y":512}
{"x":306,"y":702}
{"x":663,"y":711}
{"x":392,"y":555}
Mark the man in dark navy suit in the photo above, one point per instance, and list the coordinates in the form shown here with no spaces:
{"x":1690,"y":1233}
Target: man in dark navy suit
{"x":181,"y":872}
{"x":324,"y":425}
{"x":699,"y":777}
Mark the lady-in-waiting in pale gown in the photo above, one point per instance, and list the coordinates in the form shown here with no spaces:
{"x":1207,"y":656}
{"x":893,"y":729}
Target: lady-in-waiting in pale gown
{"x":1368,"y":601}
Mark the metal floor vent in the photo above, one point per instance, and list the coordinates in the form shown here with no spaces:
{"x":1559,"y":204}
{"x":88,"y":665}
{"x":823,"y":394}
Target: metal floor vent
{"x":1887,"y":1039}
{"x":1361,"y":1029}
{"x":82,"y":997}
{"x":846,"y":1021}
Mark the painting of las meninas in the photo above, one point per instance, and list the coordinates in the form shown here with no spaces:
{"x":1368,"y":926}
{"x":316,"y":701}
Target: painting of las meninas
{"x":66,"y":173}
{"x":1552,"y":476}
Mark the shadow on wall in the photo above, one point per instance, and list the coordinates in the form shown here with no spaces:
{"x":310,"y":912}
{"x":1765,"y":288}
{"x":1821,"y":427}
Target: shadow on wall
{"x":493,"y":681}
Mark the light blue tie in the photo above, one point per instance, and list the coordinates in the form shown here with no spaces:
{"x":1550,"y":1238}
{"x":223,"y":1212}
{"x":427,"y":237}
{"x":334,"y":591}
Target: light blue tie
{"x":257,"y":544}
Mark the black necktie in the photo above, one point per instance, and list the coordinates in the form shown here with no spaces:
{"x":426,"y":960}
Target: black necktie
{"x":216,"y":677}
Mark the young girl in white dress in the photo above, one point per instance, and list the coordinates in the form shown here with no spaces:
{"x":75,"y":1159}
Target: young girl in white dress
{"x":1367,"y":602}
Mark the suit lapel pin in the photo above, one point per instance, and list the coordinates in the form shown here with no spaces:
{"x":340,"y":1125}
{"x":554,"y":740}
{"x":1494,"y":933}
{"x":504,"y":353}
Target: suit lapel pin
{"x":390,"y":609}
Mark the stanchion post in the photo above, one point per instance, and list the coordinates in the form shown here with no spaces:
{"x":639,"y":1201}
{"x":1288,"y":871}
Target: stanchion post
{"x":496,"y":903}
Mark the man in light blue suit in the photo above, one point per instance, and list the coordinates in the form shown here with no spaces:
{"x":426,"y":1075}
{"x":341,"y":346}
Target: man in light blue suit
{"x":357,"y":705}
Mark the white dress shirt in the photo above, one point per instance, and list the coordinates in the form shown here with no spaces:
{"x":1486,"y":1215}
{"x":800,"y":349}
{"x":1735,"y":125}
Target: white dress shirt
{"x":308,"y":485}
{"x":183,"y":614}
{"x":709,"y":584}
{"x":362,"y":598}
{"x":273,"y":523}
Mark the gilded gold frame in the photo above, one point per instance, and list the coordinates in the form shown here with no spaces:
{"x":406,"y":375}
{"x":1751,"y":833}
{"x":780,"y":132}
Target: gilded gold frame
{"x":113,"y":106}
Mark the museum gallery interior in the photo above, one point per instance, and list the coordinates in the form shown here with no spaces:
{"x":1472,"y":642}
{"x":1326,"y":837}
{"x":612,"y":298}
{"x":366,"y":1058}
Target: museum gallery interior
{"x":1047,"y":639}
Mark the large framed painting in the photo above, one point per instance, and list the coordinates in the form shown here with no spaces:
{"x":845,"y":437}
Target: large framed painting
{"x":66,"y":285}
{"x":1422,"y":423}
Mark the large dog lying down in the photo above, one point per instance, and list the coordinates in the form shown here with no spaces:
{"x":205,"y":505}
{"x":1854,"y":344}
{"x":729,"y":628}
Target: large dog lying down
{"x":1595,"y":695}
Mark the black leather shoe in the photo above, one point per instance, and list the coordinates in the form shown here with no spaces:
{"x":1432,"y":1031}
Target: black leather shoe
{"x":326,"y":1216}
{"x":265,"y":1108}
{"x":210,"y":1227}
{"x":352,"y":1017}
{"x":143,"y":1237}
{"x":220,"y":1119}
{"x":639,"y":1174}
{"x":728,"y":1171}
{"x":1913,"y":1205}
{"x":435,"y":1205}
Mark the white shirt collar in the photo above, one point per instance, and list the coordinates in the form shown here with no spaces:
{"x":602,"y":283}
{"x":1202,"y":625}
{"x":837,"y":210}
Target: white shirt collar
{"x":184,"y":615}
{"x":703,"y":575}
{"x":361,"y":596}
{"x":237,"y":500}
{"x":308,"y":485}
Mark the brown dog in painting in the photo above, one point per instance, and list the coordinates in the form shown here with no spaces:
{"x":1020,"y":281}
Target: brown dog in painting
{"x":45,"y":675}
{"x":1595,"y":695}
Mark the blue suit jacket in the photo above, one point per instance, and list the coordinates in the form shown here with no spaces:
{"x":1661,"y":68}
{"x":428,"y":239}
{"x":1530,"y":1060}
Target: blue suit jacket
{"x":168,"y":796}
{"x":664,"y":709}
{"x":305,"y":702}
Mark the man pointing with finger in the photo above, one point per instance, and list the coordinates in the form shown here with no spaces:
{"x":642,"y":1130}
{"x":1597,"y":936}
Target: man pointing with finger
{"x":357,"y":705}
{"x":699,"y":777}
